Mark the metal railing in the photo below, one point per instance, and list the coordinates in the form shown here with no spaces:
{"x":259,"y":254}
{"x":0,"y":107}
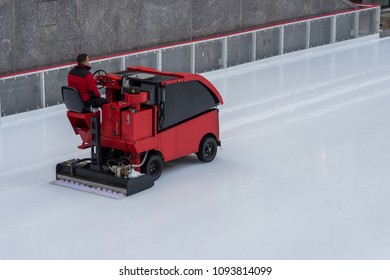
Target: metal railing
{"x":39,"y":89}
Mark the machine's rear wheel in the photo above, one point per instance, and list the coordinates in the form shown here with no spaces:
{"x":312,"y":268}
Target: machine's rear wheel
{"x":207,"y":149}
{"x":153,"y":166}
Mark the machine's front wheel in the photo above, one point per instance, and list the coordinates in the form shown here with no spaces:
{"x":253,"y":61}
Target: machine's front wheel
{"x":153,"y":166}
{"x":207,"y":149}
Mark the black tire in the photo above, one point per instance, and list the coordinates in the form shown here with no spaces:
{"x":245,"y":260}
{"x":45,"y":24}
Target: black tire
{"x":153,"y":166}
{"x":207,"y":149}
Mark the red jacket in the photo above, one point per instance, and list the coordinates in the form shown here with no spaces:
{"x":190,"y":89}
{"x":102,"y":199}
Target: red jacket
{"x":81,"y":79}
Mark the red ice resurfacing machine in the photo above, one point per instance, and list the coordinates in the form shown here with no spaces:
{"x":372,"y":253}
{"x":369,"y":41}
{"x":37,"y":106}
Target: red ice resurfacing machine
{"x":151,"y":117}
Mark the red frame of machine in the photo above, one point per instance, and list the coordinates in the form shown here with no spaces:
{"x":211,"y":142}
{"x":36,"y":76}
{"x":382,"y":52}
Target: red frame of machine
{"x":129,"y":127}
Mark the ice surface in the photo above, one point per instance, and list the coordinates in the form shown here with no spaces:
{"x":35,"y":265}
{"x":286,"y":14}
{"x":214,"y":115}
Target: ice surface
{"x":303,"y":173}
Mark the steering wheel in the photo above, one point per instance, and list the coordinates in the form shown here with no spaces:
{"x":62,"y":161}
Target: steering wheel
{"x":101,"y":78}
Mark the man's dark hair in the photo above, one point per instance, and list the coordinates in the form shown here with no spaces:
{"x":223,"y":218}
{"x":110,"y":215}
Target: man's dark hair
{"x":82,"y":58}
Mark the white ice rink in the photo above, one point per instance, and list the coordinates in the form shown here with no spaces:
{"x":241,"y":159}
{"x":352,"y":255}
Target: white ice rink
{"x":303,"y":173}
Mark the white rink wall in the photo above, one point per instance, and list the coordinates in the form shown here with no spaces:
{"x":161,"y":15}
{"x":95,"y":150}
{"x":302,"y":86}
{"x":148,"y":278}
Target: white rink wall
{"x":41,"y":88}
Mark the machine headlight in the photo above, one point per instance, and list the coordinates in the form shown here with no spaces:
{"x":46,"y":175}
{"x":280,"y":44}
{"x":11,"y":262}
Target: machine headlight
{"x":125,"y":83}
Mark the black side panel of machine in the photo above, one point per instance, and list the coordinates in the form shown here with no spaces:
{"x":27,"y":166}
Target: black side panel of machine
{"x":185,"y":100}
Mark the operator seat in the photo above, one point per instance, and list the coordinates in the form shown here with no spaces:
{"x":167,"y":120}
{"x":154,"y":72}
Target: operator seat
{"x":79,"y":115}
{"x":72,"y":100}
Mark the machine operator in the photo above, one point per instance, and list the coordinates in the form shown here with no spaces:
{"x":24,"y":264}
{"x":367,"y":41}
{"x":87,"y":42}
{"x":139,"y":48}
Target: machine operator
{"x":81,"y":79}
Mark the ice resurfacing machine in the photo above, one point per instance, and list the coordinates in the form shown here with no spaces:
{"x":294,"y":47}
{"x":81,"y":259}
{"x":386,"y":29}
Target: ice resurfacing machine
{"x":151,"y":117}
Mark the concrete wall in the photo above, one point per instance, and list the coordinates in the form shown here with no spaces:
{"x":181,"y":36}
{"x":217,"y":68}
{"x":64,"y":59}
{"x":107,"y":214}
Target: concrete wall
{"x":37,"y":33}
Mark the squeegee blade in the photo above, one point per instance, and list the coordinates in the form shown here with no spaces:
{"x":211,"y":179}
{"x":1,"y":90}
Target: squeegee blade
{"x":76,"y":175}
{"x":90,"y":189}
